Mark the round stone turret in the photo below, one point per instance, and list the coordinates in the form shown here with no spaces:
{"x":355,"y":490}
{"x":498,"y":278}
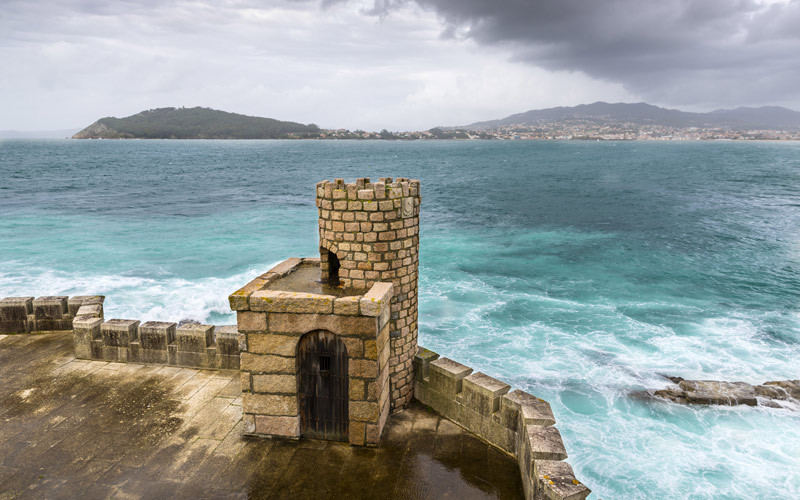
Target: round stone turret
{"x":368,"y":233}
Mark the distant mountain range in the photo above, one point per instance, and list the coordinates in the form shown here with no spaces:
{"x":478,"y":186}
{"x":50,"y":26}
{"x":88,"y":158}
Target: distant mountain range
{"x":767,"y":117}
{"x":194,"y":123}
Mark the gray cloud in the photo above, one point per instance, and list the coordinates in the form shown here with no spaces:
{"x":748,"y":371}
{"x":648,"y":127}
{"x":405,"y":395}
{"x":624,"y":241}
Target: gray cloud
{"x":680,"y":52}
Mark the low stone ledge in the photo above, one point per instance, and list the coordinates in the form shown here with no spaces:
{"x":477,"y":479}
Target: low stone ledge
{"x":14,"y":312}
{"x":84,"y":331}
{"x":482,"y":393}
{"x":51,"y":313}
{"x":555,"y":480}
{"x":377,"y":299}
{"x":119,"y":332}
{"x":533,"y":410}
{"x":446,"y":376}
{"x":76,"y":302}
{"x":291,"y":302}
{"x":47,"y":313}
{"x":156,"y":342}
{"x":517,"y":422}
{"x":545,"y":443}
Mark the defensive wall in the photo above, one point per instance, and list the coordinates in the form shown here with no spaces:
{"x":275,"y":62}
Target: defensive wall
{"x":514,"y":421}
{"x":327,"y":347}
{"x":186,"y":344}
{"x":517,"y":422}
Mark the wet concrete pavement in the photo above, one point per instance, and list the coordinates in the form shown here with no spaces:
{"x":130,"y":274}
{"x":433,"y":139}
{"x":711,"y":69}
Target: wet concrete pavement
{"x":90,"y":429}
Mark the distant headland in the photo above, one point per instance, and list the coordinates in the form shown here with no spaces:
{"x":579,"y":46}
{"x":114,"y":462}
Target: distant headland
{"x":597,"y":121}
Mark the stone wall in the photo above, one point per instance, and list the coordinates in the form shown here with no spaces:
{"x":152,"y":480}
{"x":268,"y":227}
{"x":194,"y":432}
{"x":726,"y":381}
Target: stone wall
{"x":372,"y":228}
{"x":517,"y":422}
{"x":125,"y":340}
{"x":274,"y":321}
{"x":45,"y":314}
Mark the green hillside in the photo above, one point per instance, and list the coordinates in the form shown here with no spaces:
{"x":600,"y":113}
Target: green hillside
{"x":194,"y":123}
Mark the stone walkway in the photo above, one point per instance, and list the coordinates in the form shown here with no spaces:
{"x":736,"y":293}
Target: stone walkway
{"x":90,"y":429}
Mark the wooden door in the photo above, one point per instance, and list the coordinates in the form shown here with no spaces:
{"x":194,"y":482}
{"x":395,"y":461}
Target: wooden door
{"x":323,"y":388}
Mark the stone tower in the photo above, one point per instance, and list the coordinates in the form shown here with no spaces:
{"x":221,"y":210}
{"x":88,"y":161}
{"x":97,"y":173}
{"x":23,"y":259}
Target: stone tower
{"x":369,"y":233}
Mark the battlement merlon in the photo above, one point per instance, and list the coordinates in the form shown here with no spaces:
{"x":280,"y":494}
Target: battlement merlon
{"x":363,"y":190}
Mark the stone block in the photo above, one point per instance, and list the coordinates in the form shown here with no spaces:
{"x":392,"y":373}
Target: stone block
{"x":227,"y":362}
{"x":74,"y":303}
{"x":157,"y":335}
{"x":211,"y":355}
{"x":377,"y":299}
{"x":84,"y":331}
{"x":363,"y":368}
{"x":364,"y":411}
{"x":249,"y":424}
{"x":172,"y":354}
{"x":277,"y":426}
{"x":422,"y":361}
{"x":357,"y":433}
{"x":90,"y":310}
{"x":370,"y":350}
{"x":545,"y":443}
{"x":227,"y":338}
{"x":267,"y":343}
{"x":119,"y":332}
{"x":354,"y":346}
{"x":264,"y":363}
{"x":251,"y":321}
{"x":269,"y":404}
{"x":446,"y":376}
{"x":299,"y":324}
{"x":291,"y":302}
{"x":49,"y":313}
{"x":115,"y":354}
{"x":555,"y":480}
{"x":482,"y":393}
{"x":373,"y":434}
{"x":240,"y":299}
{"x":193,"y":337}
{"x":357,"y":390}
{"x":532,"y":410}
{"x":14,"y":313}
{"x":193,"y":359}
{"x":275,"y":384}
{"x":134,"y":352}
{"x":286,"y":266}
{"x":346,"y":306}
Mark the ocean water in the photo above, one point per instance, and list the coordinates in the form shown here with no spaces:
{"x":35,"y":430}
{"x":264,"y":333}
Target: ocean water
{"x":578,"y":271}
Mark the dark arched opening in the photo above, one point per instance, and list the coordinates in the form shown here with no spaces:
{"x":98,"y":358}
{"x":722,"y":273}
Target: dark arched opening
{"x":330,"y":267}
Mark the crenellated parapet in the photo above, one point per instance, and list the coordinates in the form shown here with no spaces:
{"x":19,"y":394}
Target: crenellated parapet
{"x":188,"y":344}
{"x":45,"y":314}
{"x":515,"y":421}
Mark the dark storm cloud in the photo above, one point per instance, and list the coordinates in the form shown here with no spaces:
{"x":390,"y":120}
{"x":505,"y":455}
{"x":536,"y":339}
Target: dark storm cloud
{"x":696,"y":52}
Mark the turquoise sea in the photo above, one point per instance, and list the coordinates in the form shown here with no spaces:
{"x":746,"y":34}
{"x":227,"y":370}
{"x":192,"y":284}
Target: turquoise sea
{"x":579,"y":271}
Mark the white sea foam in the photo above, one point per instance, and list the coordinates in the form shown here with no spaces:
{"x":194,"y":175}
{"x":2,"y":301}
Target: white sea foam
{"x":166,"y":298}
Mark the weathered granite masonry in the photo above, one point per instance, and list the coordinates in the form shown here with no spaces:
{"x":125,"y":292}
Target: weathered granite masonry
{"x":126,"y":340}
{"x":275,"y":321}
{"x":369,"y":233}
{"x":45,"y":314}
{"x":517,"y":422}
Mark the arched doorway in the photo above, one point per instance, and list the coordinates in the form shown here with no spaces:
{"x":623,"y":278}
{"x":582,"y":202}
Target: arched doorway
{"x":323,"y":386}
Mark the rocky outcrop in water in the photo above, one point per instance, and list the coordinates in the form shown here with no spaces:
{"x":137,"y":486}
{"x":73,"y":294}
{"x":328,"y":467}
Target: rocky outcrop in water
{"x":714,"y":392}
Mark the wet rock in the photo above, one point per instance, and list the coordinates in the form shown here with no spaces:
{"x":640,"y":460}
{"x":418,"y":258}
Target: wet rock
{"x":715,"y":392}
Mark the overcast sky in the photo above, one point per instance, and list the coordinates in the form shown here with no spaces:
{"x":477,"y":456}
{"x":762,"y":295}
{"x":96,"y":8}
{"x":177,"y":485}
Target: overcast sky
{"x":396,"y":64}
